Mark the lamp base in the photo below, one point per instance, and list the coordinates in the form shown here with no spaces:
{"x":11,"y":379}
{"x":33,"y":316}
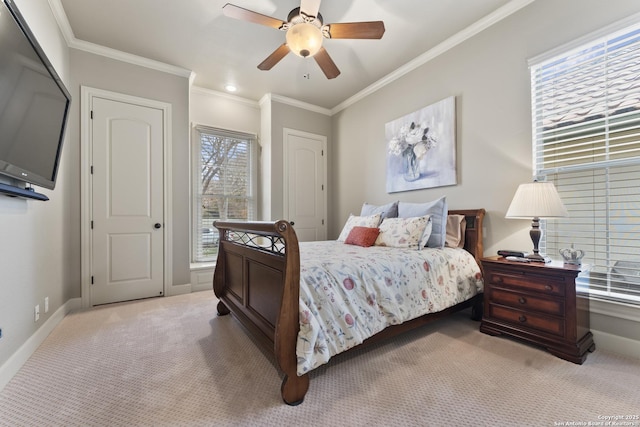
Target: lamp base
{"x":535,"y":234}
{"x":536,"y":258}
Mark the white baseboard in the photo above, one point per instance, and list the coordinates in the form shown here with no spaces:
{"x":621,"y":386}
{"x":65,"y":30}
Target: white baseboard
{"x":15,"y":362}
{"x":616,"y":344}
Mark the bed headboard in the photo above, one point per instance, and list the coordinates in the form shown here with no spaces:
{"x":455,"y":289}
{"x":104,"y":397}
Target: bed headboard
{"x":473,"y":232}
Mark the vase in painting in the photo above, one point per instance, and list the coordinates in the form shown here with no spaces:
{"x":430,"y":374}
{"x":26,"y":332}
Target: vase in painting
{"x":411,"y":165}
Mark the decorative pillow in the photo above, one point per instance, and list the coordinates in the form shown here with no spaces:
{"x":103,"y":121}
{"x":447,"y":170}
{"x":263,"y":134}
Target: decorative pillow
{"x":362,"y":236}
{"x":402,"y":232}
{"x":456,"y":226}
{"x":426,"y":234}
{"x":361,"y":221}
{"x":390,"y":210}
{"x":438,"y":212}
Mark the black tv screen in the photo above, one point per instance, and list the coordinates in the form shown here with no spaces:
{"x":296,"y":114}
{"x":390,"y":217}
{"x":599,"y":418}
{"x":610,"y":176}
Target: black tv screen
{"x":34,"y":104}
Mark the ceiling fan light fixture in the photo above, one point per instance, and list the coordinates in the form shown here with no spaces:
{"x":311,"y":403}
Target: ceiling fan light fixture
{"x":304,"y":39}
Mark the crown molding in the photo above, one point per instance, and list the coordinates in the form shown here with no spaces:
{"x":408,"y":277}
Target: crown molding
{"x":236,"y":98}
{"x":118,"y":55}
{"x":74,"y":43}
{"x":294,"y":103}
{"x":266,"y":98}
{"x":484,"y":23}
{"x":61,"y":18}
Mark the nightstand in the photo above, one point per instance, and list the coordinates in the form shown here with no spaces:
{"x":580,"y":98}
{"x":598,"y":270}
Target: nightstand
{"x":537,"y":303}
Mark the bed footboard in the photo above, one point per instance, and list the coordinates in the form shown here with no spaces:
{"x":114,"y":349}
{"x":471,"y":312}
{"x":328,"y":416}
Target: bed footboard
{"x":257,"y":279}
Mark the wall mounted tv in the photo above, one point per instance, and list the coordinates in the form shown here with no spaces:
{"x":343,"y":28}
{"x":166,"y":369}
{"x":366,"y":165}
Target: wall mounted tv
{"x":34,"y":108}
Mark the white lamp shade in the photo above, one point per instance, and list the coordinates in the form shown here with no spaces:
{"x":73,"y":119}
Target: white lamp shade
{"x":536,"y":199}
{"x":304,"y":39}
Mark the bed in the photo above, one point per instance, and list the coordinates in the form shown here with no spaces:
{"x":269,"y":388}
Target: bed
{"x":260,"y":279}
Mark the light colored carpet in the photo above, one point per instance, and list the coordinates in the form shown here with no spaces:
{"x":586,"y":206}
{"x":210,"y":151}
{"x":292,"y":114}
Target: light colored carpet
{"x":173,"y":362}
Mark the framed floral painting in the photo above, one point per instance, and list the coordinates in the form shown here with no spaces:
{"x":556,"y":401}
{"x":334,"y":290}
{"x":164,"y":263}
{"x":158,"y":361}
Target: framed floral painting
{"x":421,"y":148}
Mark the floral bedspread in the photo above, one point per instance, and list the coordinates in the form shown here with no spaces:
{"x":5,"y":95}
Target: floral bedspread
{"x":349,"y":293}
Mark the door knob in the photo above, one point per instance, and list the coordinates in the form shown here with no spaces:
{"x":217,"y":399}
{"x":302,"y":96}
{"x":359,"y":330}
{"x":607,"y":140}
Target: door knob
{"x":157,"y":225}
{"x":292,"y":223}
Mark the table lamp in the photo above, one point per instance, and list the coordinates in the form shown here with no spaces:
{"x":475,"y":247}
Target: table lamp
{"x":536,"y":200}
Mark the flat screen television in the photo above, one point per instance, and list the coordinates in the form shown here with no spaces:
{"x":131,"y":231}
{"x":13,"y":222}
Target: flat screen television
{"x":34,"y":106}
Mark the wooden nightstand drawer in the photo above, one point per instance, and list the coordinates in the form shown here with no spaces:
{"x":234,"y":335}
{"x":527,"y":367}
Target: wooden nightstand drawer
{"x":529,"y":282}
{"x":538,"y":303}
{"x":521,"y":319}
{"x":528,"y":302}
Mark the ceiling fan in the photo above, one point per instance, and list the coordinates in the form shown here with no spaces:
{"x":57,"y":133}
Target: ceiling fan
{"x":305,"y":32}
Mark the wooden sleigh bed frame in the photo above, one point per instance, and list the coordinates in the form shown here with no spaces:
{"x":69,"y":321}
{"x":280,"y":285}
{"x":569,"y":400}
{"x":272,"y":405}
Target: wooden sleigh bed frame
{"x":257,"y":278}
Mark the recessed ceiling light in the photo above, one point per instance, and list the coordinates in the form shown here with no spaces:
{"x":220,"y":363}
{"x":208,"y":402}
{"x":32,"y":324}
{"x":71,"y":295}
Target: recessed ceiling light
{"x":230,"y":88}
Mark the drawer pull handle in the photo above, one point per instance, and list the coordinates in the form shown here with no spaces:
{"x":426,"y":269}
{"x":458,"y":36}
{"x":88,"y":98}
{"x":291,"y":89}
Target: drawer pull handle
{"x":548,"y":287}
{"x":522,"y":318}
{"x":522,"y":300}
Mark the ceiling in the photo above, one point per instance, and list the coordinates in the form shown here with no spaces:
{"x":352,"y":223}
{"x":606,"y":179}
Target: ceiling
{"x":194,"y":35}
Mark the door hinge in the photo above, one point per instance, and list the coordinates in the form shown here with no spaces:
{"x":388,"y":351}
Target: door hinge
{"x":92,"y":280}
{"x":322,"y":152}
{"x":91,"y":169}
{"x":323,"y":222}
{"x":91,"y":114}
{"x":92,"y":224}
{"x":322,"y":187}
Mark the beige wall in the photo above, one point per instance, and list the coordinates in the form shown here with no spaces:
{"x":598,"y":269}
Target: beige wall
{"x":107,"y":74}
{"x":283,"y":116}
{"x":36,"y":248}
{"x":224,"y":111}
{"x":488,"y":74}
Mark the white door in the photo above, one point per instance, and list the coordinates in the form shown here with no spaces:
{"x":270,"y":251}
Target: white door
{"x":305,"y":194}
{"x":127,"y":201}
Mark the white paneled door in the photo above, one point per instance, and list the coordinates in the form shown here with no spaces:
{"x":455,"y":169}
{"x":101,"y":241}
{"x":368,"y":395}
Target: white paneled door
{"x":127,"y":201}
{"x":305,"y":193}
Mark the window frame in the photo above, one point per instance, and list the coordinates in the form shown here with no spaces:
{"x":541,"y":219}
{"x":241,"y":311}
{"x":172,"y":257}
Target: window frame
{"x":610,"y":291}
{"x":196,"y":183}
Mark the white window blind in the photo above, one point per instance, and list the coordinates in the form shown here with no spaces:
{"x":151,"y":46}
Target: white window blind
{"x":586,"y":121}
{"x":223,"y":184}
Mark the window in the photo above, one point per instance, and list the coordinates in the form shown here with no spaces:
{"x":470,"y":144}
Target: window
{"x":586,"y":126}
{"x":223,"y":185}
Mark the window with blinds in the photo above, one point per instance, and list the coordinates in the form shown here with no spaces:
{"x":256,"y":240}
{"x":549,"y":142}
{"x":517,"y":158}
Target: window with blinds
{"x":223,"y":185}
{"x":586,"y":126}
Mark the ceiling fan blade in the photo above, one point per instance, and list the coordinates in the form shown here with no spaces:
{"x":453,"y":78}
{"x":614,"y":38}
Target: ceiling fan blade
{"x":326,"y":64}
{"x":310,"y":7}
{"x":274,"y":58}
{"x":357,"y":30}
{"x":243,"y":14}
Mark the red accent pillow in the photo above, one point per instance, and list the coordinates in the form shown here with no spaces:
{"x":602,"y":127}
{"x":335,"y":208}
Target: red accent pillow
{"x":362,"y":236}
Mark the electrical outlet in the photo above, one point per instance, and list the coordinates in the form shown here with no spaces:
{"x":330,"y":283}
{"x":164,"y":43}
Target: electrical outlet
{"x":37,"y":313}
{"x":46,"y":305}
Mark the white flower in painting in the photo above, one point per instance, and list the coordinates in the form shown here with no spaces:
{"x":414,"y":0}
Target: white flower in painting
{"x":396,"y":146}
{"x":420,"y":150}
{"x":412,"y":137}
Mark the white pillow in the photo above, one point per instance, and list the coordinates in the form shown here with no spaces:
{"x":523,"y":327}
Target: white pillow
{"x":402,"y":232}
{"x":426,"y":233}
{"x":437,"y":209}
{"x":360,"y":221}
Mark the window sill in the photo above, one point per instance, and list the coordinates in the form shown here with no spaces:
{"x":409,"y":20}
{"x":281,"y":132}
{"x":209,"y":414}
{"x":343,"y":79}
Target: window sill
{"x":197,"y":266}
